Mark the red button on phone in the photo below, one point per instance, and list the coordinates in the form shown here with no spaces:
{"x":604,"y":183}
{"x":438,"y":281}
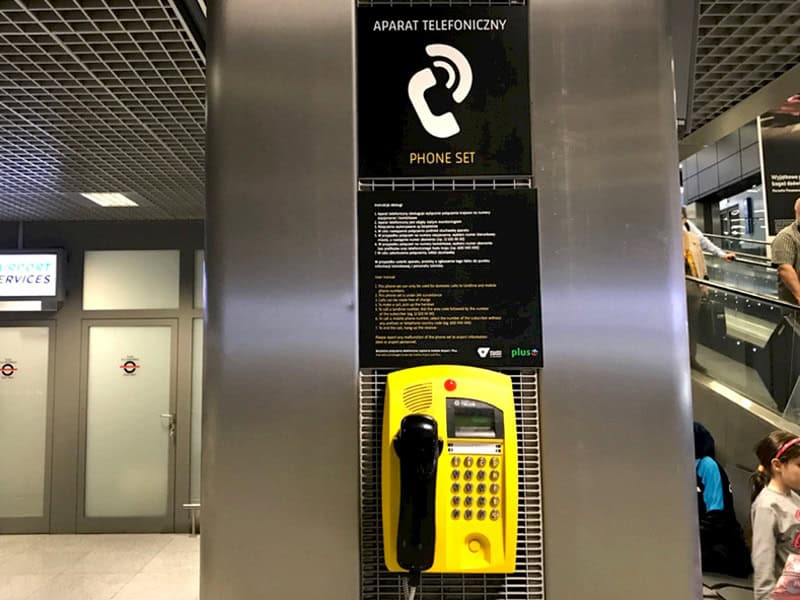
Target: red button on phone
{"x":450,"y":385}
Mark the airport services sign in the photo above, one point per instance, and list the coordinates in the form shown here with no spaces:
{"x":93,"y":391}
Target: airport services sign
{"x":28,"y":275}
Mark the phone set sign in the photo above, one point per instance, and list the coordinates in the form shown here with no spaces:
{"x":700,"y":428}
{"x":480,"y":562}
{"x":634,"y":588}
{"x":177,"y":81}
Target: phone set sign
{"x":443,"y":91}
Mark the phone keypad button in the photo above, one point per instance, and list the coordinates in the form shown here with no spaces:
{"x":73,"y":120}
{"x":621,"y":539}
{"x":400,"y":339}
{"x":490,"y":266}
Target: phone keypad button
{"x":482,"y":462}
{"x":467,"y":474}
{"x":481,"y":475}
{"x":456,"y":513}
{"x":455,"y":461}
{"x":481,"y":515}
{"x":495,"y":462}
{"x":494,"y":488}
{"x":467,"y":488}
{"x":481,"y":488}
{"x":495,"y":514}
{"x":494,"y":475}
{"x":467,"y":514}
{"x":481,"y":501}
{"x":468,"y":461}
{"x":455,"y":488}
{"x":468,"y":501}
{"x":456,"y":474}
{"x":495,"y":501}
{"x":456,"y":500}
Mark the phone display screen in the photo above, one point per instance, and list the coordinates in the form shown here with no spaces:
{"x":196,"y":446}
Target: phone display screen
{"x":474,"y":422}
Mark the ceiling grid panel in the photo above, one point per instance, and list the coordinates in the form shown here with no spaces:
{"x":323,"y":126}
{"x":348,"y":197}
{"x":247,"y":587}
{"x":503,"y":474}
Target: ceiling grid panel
{"x":100,"y":96}
{"x":741,"y":47}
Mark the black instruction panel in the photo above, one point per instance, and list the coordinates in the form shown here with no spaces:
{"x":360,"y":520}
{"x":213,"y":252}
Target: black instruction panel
{"x":449,"y":277}
{"x":443,"y":91}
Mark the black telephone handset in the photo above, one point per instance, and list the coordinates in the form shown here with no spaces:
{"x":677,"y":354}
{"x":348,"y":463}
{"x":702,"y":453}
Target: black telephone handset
{"x":418,"y":446}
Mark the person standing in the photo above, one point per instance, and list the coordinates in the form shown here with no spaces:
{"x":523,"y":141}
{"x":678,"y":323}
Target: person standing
{"x":706,"y":244}
{"x":786,"y":256}
{"x":695,"y":266}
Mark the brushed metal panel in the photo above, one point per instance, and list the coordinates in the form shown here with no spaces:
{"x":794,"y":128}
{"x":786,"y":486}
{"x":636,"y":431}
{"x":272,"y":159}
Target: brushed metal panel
{"x":690,"y":166}
{"x":728,"y":145}
{"x":620,"y":507}
{"x":691,"y":190}
{"x":707,"y":157}
{"x":280,"y":466}
{"x":708,"y":180}
{"x":748,"y":134}
{"x":730,"y":169}
{"x":751,"y":159}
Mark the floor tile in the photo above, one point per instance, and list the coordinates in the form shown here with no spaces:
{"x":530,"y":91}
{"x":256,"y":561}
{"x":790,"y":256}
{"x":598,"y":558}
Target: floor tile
{"x":40,"y":562}
{"x":180,"y":585}
{"x":112,"y":561}
{"x":70,"y":586}
{"x":19,"y":587}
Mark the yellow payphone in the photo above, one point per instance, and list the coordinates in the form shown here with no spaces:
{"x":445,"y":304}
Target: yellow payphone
{"x":449,"y":471}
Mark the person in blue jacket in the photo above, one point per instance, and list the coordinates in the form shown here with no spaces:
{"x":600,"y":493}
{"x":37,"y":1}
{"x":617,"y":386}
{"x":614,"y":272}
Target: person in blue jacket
{"x":722,"y":542}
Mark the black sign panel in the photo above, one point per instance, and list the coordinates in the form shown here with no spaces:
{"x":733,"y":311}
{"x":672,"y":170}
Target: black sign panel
{"x":443,"y":91}
{"x":449,"y":277}
{"x":780,"y":148}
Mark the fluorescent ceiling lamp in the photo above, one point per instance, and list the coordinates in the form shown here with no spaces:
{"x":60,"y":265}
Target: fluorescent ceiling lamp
{"x":109,"y":199}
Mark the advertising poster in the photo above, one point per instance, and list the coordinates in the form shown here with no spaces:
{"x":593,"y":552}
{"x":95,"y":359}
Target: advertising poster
{"x":449,"y":277}
{"x":780,"y":155}
{"x":443,"y":91}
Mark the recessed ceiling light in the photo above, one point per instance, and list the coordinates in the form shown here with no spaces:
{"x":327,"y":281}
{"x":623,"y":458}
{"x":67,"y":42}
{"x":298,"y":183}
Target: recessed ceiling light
{"x":109,"y":199}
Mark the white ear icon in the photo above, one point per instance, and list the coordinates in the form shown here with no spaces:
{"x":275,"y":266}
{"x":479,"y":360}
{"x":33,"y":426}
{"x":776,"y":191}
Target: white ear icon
{"x":459,"y":75}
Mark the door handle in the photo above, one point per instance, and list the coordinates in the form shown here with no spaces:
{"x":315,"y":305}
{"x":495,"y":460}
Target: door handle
{"x":171,"y":421}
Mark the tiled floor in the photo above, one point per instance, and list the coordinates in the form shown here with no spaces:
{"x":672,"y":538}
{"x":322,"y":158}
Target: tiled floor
{"x":99,"y":567}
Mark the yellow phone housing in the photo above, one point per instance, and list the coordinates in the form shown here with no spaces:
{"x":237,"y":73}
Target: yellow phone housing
{"x":476,"y":481}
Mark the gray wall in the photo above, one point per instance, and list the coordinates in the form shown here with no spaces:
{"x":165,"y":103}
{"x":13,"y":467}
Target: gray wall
{"x":620,"y":508}
{"x":280,"y":463}
{"x":723,"y":163}
{"x":76,"y":238}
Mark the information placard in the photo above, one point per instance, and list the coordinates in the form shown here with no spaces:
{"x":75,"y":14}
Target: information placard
{"x":779,"y":132}
{"x":443,"y":91}
{"x":449,"y":277}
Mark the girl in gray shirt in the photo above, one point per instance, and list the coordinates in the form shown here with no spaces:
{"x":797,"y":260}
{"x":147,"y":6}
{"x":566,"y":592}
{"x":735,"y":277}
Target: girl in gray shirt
{"x":775,"y":515}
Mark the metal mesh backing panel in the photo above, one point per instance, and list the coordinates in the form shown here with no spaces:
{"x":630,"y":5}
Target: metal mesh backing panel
{"x":100,"y":96}
{"x":527,"y":583}
{"x":741,"y":47}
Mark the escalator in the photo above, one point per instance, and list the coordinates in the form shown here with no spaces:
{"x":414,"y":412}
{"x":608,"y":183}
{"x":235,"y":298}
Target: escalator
{"x":746,"y":383}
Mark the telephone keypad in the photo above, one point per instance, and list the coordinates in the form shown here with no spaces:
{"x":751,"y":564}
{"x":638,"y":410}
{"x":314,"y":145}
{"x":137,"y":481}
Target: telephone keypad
{"x":463,"y":488}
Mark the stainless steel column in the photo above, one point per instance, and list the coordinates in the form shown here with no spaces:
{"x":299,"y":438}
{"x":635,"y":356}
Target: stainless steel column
{"x":280,"y":503}
{"x":620,"y":511}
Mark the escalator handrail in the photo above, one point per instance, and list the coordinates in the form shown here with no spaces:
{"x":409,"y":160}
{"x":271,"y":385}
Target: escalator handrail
{"x":737,"y":239}
{"x":745,"y":293}
{"x":764,"y":263}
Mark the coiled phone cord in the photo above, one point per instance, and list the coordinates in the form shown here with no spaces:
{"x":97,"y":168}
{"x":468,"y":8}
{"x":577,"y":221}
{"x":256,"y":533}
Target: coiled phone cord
{"x":410,"y":584}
